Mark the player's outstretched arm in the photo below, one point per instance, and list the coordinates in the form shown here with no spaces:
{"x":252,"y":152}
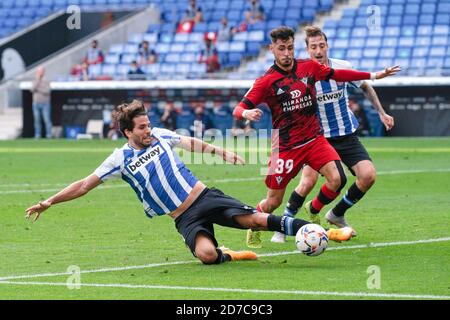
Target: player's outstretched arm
{"x":197,"y":145}
{"x":371,"y":95}
{"x":388,"y":72}
{"x":73,"y":191}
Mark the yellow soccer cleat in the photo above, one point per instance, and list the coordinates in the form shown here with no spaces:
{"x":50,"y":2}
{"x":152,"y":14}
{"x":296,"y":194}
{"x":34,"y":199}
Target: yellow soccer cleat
{"x":254,"y":239}
{"x":338,"y":235}
{"x":313,"y":217}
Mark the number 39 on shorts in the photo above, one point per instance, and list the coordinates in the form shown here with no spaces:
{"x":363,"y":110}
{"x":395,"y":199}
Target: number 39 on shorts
{"x":282,"y":165}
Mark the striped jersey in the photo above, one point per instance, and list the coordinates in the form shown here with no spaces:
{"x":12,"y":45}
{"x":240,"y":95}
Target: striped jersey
{"x":335,"y":116}
{"x":157,"y":175}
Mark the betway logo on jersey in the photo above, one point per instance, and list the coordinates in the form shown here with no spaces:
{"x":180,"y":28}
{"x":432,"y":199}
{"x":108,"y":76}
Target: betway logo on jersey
{"x":334,"y":96}
{"x":146,"y":158}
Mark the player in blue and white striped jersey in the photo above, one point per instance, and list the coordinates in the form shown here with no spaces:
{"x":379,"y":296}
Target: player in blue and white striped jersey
{"x":166,"y":187}
{"x":339,"y":125}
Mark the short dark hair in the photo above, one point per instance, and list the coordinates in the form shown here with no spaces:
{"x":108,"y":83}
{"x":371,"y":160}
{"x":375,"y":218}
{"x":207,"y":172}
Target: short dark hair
{"x":312,"y":31}
{"x":282,"y":33}
{"x":125,"y":113}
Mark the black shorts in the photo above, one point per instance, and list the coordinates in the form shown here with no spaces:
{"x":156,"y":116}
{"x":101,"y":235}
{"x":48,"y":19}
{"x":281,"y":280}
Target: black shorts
{"x":350,"y":149}
{"x":211,"y":206}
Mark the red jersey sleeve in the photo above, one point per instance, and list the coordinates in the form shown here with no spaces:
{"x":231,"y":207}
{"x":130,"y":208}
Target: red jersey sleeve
{"x":254,"y":96}
{"x":323,"y":72}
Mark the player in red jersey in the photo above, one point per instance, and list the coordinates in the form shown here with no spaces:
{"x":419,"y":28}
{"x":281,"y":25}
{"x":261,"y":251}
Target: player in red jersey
{"x":288,"y":88}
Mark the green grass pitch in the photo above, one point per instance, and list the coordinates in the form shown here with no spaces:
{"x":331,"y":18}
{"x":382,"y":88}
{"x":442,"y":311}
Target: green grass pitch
{"x":401,"y":252}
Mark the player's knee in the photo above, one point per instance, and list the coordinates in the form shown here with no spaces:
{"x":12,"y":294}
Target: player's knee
{"x":272,"y":204}
{"x":367,"y":179}
{"x":206,"y":255}
{"x":306,"y":186}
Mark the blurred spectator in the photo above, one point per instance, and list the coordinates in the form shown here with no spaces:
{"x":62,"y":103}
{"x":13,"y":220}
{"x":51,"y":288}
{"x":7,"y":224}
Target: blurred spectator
{"x":202,"y":121}
{"x":225,"y":31}
{"x":94,"y":54}
{"x":84,"y":72}
{"x":193,"y":13}
{"x":240,"y":127}
{"x":209,"y":55}
{"x":364,"y":128}
{"x":114,"y":130}
{"x":41,"y":104}
{"x":135,"y":72}
{"x":169,"y":117}
{"x":146,"y":55}
{"x":254,"y":12}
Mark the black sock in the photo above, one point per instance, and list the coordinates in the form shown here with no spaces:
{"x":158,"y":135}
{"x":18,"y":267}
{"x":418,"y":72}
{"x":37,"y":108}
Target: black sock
{"x":351,"y":197}
{"x":222,"y":257}
{"x":294,"y":203}
{"x":287,"y":225}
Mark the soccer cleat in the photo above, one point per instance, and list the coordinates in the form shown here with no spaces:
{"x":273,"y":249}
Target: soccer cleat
{"x":338,"y":221}
{"x":313,"y":217}
{"x":240,"y":255}
{"x":278,"y":237}
{"x":338,"y":235}
{"x":254,"y":239}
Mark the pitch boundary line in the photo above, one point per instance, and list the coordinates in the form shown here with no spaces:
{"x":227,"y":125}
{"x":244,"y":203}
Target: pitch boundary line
{"x":273,"y":254}
{"x":261,"y":178}
{"x":239,"y":290}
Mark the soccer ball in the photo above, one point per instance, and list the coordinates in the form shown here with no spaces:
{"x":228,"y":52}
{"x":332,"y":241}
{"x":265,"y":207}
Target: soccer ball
{"x":311,"y":239}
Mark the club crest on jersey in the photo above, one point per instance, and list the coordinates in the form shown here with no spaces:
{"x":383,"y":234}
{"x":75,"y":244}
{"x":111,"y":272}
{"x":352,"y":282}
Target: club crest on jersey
{"x":144,"y":159}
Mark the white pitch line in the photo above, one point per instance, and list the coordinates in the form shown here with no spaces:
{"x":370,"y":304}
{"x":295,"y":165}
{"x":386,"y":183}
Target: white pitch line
{"x":261,"y":178}
{"x":273,"y":254}
{"x":257,"y":291}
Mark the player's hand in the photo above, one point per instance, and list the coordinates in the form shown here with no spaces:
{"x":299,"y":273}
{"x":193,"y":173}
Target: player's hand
{"x":253,"y":114}
{"x":387,"y":72}
{"x":387,"y":120}
{"x":232,"y":157}
{"x":37,"y":209}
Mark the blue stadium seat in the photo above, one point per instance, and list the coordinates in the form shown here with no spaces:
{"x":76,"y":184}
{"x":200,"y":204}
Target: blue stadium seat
{"x":411,"y":20}
{"x":253,"y":48}
{"x":420,"y":52}
{"x":196,"y":37}
{"x":237,"y":46}
{"x":109,"y":69}
{"x":428,"y":8}
{"x":437,"y":51}
{"x":443,"y":19}
{"x":370,"y":53}
{"x":112,"y":58}
{"x":151,"y":37}
{"x":387,"y":53}
{"x":222,"y":118}
{"x":181,"y":37}
{"x":404,"y":53}
{"x":172,"y":58}
{"x":189,"y":57}
{"x":177,"y":47}
{"x":373,"y":42}
{"x":426,"y":19}
{"x":167,"y":68}
{"x":440,"y":41}
{"x":357,"y":43}
{"x":128,"y":58}
{"x":390,"y":42}
{"x":406,"y":41}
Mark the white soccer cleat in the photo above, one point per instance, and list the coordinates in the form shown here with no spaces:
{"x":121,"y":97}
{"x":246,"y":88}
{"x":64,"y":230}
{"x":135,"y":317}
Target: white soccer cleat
{"x":278,"y":237}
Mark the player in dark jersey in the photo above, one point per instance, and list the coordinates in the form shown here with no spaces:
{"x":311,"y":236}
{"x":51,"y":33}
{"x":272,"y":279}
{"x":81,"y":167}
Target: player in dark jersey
{"x":288,"y":88}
